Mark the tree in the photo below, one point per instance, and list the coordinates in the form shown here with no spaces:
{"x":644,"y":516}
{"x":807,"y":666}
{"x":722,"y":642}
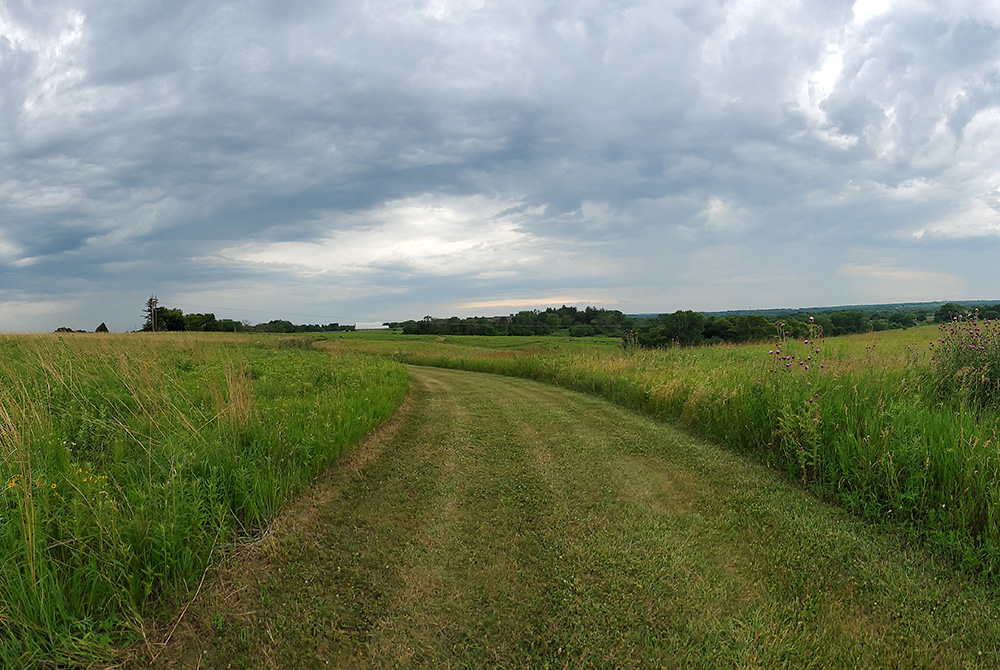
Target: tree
{"x":949,"y":311}
{"x":102,"y":328}
{"x":276,"y":326}
{"x":151,"y":306}
{"x":168,"y":319}
{"x":847,"y":322}
{"x":203,"y":322}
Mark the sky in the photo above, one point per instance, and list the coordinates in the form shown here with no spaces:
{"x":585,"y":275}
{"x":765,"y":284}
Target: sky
{"x":383,"y":160}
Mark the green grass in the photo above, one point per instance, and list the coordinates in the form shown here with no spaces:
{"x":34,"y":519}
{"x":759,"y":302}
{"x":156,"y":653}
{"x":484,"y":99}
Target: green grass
{"x":506,"y":523}
{"x":130,"y":463}
{"x":127,"y":462}
{"x":866,"y":426}
{"x":382,"y":341}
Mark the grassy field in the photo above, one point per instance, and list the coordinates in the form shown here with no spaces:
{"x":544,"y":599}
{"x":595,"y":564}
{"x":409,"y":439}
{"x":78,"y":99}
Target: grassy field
{"x":128,"y":461}
{"x":867,"y":421}
{"x":131,"y":465}
{"x":500,"y":522}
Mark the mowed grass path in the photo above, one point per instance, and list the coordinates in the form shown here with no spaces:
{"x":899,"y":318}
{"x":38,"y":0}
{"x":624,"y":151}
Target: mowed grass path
{"x":500,"y":522}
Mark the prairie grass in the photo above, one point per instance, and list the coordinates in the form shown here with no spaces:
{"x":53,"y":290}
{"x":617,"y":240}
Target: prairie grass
{"x":504,"y":523}
{"x":128,"y":461}
{"x":863,"y":420}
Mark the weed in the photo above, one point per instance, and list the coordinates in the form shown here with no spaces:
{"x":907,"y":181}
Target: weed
{"x":966,"y":361}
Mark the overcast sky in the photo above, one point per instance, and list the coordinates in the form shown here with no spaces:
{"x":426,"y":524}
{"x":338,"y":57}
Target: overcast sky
{"x":370,"y":160}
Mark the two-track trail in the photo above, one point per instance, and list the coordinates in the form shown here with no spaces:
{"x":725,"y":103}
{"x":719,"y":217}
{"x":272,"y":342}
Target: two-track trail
{"x":499,"y":522}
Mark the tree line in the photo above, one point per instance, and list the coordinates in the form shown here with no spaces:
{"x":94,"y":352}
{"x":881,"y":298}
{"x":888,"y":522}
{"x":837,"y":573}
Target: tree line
{"x":159,"y":318}
{"x":683,"y":327}
{"x":564,"y":320}
{"x":689,"y":328}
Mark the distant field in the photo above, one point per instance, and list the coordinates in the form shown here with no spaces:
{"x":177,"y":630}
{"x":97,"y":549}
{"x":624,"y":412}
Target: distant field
{"x":381,"y":341}
{"x":868,"y":421}
{"x":128,"y":461}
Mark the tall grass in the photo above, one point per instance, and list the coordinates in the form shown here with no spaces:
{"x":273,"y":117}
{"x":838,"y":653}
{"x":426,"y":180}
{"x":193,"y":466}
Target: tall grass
{"x":127,"y":461}
{"x":866,"y":421}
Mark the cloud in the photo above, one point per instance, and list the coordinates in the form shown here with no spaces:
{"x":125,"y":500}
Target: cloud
{"x":398,"y":158}
{"x":886,"y":281}
{"x":453,"y":237}
{"x":979,"y":221}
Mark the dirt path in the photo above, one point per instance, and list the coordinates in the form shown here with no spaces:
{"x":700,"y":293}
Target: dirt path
{"x":502,"y":523}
